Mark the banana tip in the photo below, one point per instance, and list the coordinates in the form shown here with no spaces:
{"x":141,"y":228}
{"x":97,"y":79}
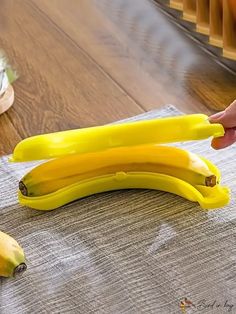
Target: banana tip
{"x":23,"y":188}
{"x":20,"y":269}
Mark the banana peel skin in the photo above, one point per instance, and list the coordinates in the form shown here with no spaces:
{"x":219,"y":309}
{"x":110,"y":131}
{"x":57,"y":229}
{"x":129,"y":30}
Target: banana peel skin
{"x":58,"y":173}
{"x":12,"y":257}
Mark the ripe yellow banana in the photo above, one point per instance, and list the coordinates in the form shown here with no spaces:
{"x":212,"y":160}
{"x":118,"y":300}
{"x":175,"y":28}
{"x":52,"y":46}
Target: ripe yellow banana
{"x":12,"y":258}
{"x":56,"y":174}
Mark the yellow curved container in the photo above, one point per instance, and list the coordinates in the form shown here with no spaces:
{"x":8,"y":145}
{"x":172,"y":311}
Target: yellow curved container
{"x":207,"y":197}
{"x":93,"y":139}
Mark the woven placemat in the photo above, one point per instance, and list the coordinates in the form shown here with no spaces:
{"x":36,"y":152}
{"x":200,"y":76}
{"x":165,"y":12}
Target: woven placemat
{"x":133,"y":251}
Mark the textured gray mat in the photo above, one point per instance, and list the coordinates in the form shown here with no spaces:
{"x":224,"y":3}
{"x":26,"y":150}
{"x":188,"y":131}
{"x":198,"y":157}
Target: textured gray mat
{"x":124,"y":251}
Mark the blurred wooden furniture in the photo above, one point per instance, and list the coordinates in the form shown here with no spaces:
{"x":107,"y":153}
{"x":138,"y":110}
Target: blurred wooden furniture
{"x":214,"y":18}
{"x":84,"y":63}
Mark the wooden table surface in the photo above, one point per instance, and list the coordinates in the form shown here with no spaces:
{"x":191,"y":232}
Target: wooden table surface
{"x":89,"y":62}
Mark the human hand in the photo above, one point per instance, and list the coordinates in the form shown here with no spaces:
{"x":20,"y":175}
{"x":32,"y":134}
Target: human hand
{"x":228,"y":119}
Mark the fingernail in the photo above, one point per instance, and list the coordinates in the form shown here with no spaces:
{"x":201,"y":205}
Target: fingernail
{"x":216,"y":116}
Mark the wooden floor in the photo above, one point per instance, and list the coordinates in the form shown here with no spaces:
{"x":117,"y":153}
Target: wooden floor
{"x":89,"y":62}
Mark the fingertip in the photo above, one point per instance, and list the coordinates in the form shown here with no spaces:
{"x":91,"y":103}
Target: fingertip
{"x":216,"y":144}
{"x":222,"y":142}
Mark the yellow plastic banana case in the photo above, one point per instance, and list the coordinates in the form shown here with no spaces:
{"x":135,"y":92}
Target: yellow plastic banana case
{"x":93,"y":139}
{"x":96,"y":139}
{"x":208,"y":198}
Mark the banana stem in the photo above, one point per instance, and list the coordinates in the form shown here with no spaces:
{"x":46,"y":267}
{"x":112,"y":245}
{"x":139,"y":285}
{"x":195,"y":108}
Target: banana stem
{"x":211,"y":181}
